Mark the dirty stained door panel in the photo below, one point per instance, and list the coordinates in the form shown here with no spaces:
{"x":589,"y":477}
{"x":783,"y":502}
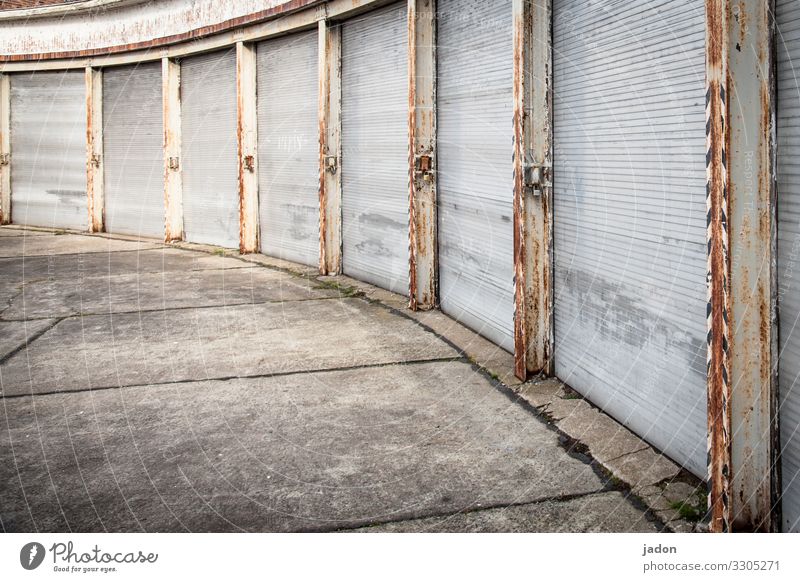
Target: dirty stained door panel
{"x":630,"y":215}
{"x":475,"y":186}
{"x":788,"y":57}
{"x":210,"y":149}
{"x":132,"y":150}
{"x":48,"y":149}
{"x":288,"y":147}
{"x":375,"y":148}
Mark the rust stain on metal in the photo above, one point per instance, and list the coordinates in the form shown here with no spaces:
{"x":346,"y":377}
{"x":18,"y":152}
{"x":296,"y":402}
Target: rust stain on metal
{"x":324,"y":93}
{"x":520,"y":306}
{"x":412,"y":137}
{"x":243,"y":226}
{"x":94,"y":170}
{"x":719,"y":418}
{"x":246,"y":145}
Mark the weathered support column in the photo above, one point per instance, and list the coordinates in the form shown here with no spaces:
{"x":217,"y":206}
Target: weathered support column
{"x":247,"y":135}
{"x":422,"y":154}
{"x":742,"y":388}
{"x":532,"y":95}
{"x":330,"y":148}
{"x":94,"y":149}
{"x":173,"y":182}
{"x":5,"y":149}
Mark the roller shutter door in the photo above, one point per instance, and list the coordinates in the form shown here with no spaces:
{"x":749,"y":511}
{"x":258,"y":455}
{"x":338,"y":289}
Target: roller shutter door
{"x":630,"y":215}
{"x":475,"y":185}
{"x":288,"y":148}
{"x":788,"y":52}
{"x":210,"y":149}
{"x":133,"y":152}
{"x":48,"y":149}
{"x":375,"y":148}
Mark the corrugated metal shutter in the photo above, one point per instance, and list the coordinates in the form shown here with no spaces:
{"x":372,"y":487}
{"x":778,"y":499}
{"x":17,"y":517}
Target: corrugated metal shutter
{"x":788,"y":48}
{"x":209,"y":149}
{"x":630,"y":215}
{"x":375,"y":148}
{"x":132,"y":150}
{"x":288,"y":147}
{"x":48,"y":150}
{"x":475,"y":185}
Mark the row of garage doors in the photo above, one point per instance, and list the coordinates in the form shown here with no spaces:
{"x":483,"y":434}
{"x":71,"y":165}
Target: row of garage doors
{"x":629,"y":184}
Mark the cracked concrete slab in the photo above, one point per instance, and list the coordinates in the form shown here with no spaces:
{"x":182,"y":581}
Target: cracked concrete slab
{"x":157,"y":260}
{"x":14,"y":334}
{"x":218,"y":342}
{"x":6,"y":232}
{"x":60,"y":297}
{"x":67,"y":244}
{"x":319,"y":411}
{"x":317,"y":451}
{"x":598,"y":513}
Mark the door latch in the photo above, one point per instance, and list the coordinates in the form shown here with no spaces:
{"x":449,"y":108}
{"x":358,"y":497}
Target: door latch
{"x":423,"y":167}
{"x":537,"y":177}
{"x":331,"y":164}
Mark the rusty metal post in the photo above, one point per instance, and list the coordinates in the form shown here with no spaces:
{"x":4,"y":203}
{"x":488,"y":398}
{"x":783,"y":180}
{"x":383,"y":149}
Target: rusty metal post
{"x":5,"y":149}
{"x":742,"y":389}
{"x":330,"y":148}
{"x":247,"y":137}
{"x":755,"y":486}
{"x":94,"y":149}
{"x":173,"y":182}
{"x":532,"y":94}
{"x":719,"y":337}
{"x":422,"y":154}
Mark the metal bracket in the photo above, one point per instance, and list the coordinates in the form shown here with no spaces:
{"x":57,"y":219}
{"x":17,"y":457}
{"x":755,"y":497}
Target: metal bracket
{"x":5,"y":159}
{"x":331,"y":164}
{"x":96,"y":160}
{"x":537,"y":177}
{"x":173,"y":163}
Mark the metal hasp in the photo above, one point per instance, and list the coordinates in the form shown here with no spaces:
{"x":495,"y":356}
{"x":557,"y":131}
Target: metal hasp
{"x":533,"y":329}
{"x":5,"y":149}
{"x":422,"y":154}
{"x":173,"y":181}
{"x":94,"y":149}
{"x":742,"y":389}
{"x":247,"y":139}
{"x":330,"y":145}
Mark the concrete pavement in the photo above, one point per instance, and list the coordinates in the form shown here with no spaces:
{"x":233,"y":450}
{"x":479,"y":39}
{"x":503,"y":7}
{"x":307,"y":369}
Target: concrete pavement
{"x":148,"y":387}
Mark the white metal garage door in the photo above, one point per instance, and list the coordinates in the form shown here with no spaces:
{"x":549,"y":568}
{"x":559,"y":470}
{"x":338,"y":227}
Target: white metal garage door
{"x":288,"y":147}
{"x":48,"y":150}
{"x":475,"y":186}
{"x":209,"y":149}
{"x":132,"y":150}
{"x":630,"y":215}
{"x":375,"y":148}
{"x":788,"y":52}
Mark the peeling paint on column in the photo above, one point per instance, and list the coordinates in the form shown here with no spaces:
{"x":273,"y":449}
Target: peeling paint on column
{"x":247,"y":140}
{"x":173,"y":183}
{"x":94,"y":149}
{"x":719,"y":384}
{"x":5,"y":149}
{"x":330,"y":124}
{"x":422,"y":154}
